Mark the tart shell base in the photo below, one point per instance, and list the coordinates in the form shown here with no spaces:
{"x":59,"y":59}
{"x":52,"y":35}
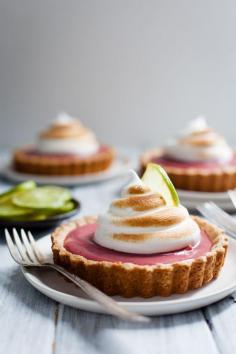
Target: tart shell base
{"x":48,"y":166}
{"x":130,"y":280}
{"x":195,"y":179}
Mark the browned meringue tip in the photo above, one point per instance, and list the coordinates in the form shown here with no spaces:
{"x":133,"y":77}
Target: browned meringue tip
{"x":161,"y":218}
{"x":140,"y":202}
{"x":73,"y":129}
{"x":138,"y":189}
{"x":203,"y":139}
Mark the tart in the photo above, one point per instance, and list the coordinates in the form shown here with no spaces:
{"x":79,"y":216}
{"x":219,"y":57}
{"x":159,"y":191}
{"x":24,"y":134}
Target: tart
{"x":67,"y":148}
{"x":199,"y":160}
{"x":141,"y":247}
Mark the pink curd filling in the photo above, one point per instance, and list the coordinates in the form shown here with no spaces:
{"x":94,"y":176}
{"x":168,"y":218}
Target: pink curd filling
{"x":34,"y":152}
{"x":80,"y":241}
{"x":168,"y":162}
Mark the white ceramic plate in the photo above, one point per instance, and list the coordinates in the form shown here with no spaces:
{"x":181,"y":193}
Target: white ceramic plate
{"x":119,"y":168}
{"x":56,"y":287}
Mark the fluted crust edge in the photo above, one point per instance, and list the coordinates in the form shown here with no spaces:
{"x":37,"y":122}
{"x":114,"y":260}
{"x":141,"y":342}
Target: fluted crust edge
{"x":41,"y":165}
{"x":130,"y":280}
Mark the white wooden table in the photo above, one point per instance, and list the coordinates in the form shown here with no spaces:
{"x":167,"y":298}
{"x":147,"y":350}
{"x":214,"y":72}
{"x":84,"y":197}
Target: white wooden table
{"x":31,"y":323}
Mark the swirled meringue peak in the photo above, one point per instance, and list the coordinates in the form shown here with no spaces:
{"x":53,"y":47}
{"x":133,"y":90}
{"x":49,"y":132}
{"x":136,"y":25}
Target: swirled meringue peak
{"x":67,"y":135}
{"x":141,"y":222}
{"x":199,"y":143}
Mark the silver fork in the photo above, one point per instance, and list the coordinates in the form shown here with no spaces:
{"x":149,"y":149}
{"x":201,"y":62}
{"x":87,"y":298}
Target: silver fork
{"x":25,"y":252}
{"x":232,"y":195}
{"x":218,"y":216}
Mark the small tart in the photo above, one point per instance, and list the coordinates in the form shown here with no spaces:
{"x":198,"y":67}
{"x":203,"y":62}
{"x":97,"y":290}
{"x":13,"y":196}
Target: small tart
{"x":146,"y":280}
{"x":204,"y":177}
{"x":27,"y":160}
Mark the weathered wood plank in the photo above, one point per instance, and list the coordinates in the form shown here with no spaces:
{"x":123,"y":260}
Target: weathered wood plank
{"x":27,"y":318}
{"x":81,"y":332}
{"x":222,"y":320}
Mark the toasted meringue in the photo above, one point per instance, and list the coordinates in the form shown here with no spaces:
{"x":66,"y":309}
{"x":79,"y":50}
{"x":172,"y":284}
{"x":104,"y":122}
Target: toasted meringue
{"x":140,"y":222}
{"x":199,"y":143}
{"x":67,"y":136}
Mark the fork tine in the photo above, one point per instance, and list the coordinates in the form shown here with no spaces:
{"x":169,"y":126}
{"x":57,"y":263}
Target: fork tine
{"x":216,"y":215}
{"x":37,"y":252}
{"x":205,"y":212}
{"x":210,"y":215}
{"x":232,"y":195}
{"x":225,"y":217}
{"x":28,"y":247}
{"x":12,"y":248}
{"x":20,"y":247}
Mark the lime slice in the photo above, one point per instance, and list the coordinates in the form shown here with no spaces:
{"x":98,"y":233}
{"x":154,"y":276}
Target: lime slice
{"x":30,"y":217}
{"x":68,"y":206}
{"x":10,"y":211}
{"x":25,"y":186}
{"x":156,"y":178}
{"x":20,"y":187}
{"x":48,"y":197}
{"x":33,"y":217}
{"x":46,"y":214}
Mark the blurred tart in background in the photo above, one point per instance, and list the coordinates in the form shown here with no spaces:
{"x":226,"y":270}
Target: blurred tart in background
{"x":66,"y":148}
{"x":198,"y":160}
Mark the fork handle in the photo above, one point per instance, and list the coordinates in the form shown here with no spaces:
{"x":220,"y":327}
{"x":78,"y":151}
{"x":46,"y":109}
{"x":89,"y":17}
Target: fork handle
{"x":110,"y":305}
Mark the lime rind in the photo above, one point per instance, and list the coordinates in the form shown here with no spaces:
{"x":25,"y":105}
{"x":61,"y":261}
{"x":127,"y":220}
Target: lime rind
{"x":156,"y":178}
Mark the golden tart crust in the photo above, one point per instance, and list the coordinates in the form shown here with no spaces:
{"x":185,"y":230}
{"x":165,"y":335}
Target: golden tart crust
{"x":129,"y":280}
{"x":195,"y":179}
{"x":44,"y":165}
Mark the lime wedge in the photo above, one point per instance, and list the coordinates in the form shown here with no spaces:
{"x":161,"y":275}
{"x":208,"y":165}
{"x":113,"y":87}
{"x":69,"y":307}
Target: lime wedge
{"x":48,"y":197}
{"x":20,"y":187}
{"x":156,"y":178}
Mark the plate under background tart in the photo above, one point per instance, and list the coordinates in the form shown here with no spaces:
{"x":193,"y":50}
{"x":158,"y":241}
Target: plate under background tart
{"x":27,"y":160}
{"x":216,"y":179}
{"x":130,"y":280}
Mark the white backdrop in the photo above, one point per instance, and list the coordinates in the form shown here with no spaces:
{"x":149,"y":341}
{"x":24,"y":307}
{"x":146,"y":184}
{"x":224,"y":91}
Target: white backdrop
{"x":134,"y":71}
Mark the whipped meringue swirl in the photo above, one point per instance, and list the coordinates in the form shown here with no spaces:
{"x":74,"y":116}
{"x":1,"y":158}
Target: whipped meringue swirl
{"x":199,"y":143}
{"x":67,"y":136}
{"x":140,"y":222}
